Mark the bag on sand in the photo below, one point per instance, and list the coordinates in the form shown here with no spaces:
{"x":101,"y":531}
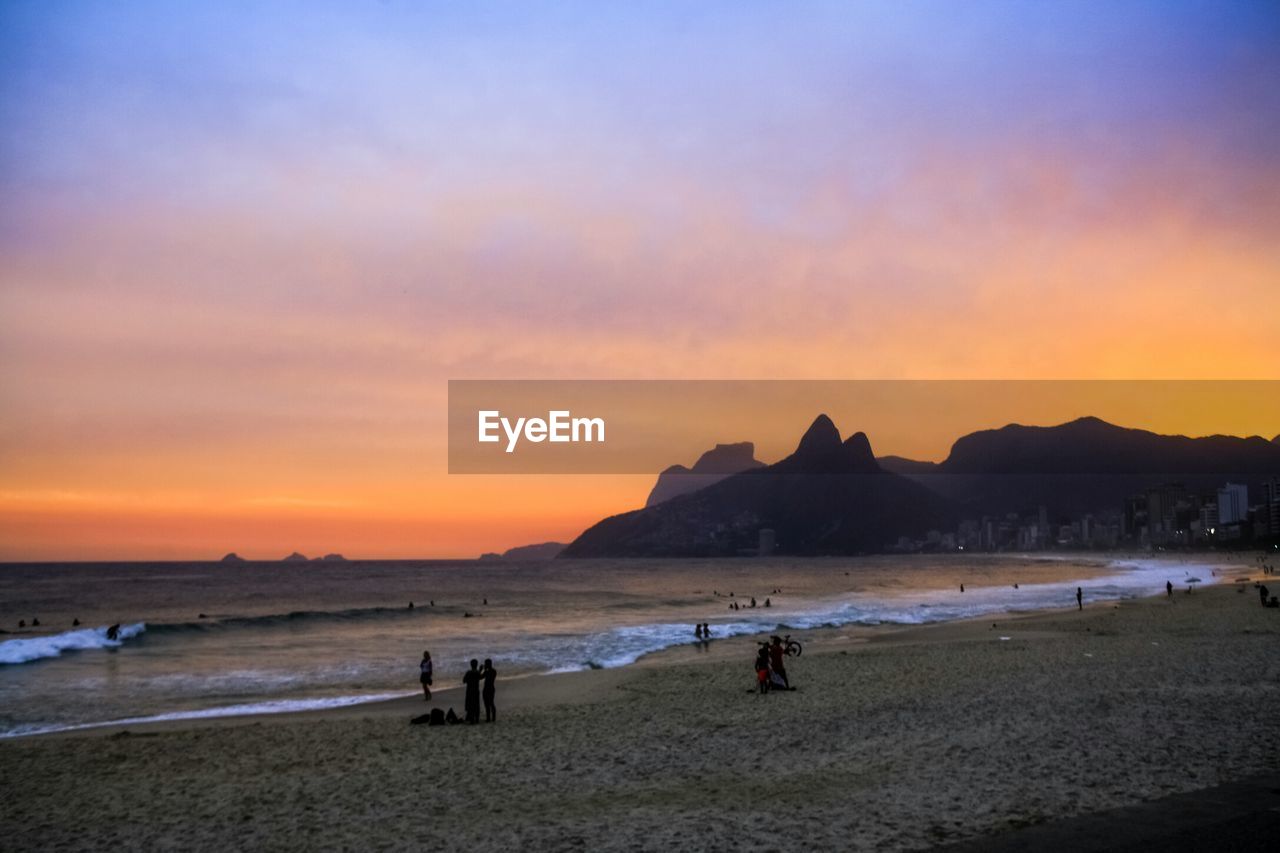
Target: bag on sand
{"x":434,"y":718}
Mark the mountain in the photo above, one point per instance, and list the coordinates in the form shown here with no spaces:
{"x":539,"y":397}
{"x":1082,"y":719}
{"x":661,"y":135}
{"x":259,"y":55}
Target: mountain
{"x":295,"y":557}
{"x":828,"y":497}
{"x":233,"y":557}
{"x":1093,"y":446}
{"x":712,"y":467}
{"x":902,"y":465}
{"x":541,"y":551}
{"x":1087,"y":465}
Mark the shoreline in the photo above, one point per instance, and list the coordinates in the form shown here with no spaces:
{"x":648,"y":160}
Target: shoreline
{"x":903,"y":738}
{"x":552,"y":687}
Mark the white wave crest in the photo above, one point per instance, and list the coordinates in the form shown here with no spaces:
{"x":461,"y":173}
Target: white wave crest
{"x":29,"y":649}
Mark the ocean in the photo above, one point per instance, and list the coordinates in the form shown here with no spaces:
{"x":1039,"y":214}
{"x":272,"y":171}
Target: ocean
{"x":212,"y":639}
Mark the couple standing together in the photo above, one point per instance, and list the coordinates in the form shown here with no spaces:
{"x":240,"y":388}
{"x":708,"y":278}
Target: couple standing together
{"x":472,"y":681}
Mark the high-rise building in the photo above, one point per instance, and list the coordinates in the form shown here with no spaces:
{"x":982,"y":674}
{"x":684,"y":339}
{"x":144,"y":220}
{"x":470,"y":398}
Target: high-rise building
{"x":1207,"y":526}
{"x":1233,"y":503}
{"x":1271,"y":491}
{"x":1163,"y":503}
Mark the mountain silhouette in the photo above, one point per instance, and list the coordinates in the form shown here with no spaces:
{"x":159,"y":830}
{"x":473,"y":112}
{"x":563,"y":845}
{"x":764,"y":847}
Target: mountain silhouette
{"x":828,"y":497}
{"x":540,"y":551}
{"x":903,"y":465}
{"x":1093,"y":446}
{"x":1085,"y":465}
{"x":713,"y":466}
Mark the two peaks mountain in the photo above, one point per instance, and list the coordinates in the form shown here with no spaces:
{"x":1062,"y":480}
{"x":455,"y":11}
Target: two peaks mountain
{"x":820,"y":451}
{"x":828,"y":497}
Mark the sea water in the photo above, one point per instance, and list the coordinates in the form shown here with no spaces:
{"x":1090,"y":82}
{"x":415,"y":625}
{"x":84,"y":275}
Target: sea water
{"x":212,"y":639}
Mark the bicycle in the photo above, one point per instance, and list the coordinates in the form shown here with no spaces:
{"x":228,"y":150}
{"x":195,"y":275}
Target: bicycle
{"x":791,"y":648}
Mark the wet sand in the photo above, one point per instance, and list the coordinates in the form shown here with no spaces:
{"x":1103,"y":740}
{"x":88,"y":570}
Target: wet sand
{"x":897,"y":738}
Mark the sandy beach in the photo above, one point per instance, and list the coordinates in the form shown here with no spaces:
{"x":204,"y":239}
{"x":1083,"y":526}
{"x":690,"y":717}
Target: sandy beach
{"x":896,"y":738}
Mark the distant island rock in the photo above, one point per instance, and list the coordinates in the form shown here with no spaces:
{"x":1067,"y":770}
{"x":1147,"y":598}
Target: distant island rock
{"x":295,"y":557}
{"x":490,"y":557}
{"x":331,"y":558}
{"x":541,"y":551}
{"x":233,"y":557}
{"x":716,"y":464}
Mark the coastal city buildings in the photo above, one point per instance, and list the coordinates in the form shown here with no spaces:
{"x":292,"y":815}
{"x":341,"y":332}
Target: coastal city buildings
{"x":1166,"y":515}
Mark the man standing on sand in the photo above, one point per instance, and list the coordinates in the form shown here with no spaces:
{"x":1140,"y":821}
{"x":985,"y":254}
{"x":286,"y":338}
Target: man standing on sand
{"x":1262,"y":593}
{"x":777,"y":656}
{"x":471,"y":700}
{"x":1079,"y":598}
{"x":1168,"y":588}
{"x":490,"y":675}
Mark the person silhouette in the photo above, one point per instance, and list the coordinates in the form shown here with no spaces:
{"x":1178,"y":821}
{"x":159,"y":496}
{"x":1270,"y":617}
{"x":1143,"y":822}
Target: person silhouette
{"x":471,"y":701}
{"x":1262,"y":593}
{"x":424,"y":675}
{"x":762,"y":669}
{"x":490,"y":675}
{"x":777,"y":658}
{"x":1079,"y":598}
{"x":1168,"y":588}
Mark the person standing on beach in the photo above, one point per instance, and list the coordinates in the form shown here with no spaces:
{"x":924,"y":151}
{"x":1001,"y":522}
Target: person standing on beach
{"x":1168,"y":588}
{"x":490,"y":676}
{"x":471,"y":701}
{"x":762,"y":669}
{"x":1079,"y":598}
{"x":424,"y":675}
{"x":777,"y":660}
{"x":1262,"y":593}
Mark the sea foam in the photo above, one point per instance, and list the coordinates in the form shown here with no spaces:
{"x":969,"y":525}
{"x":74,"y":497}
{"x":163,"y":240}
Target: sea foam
{"x":29,"y":649}
{"x":276,"y":706}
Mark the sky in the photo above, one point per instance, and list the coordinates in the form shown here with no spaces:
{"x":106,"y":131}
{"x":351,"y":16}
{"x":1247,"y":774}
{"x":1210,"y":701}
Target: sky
{"x":244,"y":247}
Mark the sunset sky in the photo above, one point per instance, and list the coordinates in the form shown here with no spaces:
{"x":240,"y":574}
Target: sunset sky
{"x":243,"y":248}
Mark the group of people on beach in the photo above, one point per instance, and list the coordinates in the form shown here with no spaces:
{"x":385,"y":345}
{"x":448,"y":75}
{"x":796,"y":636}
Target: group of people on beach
{"x":478,"y":683}
{"x":770,"y":666}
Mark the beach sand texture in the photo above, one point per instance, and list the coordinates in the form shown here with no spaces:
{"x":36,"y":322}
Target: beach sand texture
{"x":895,"y":739}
